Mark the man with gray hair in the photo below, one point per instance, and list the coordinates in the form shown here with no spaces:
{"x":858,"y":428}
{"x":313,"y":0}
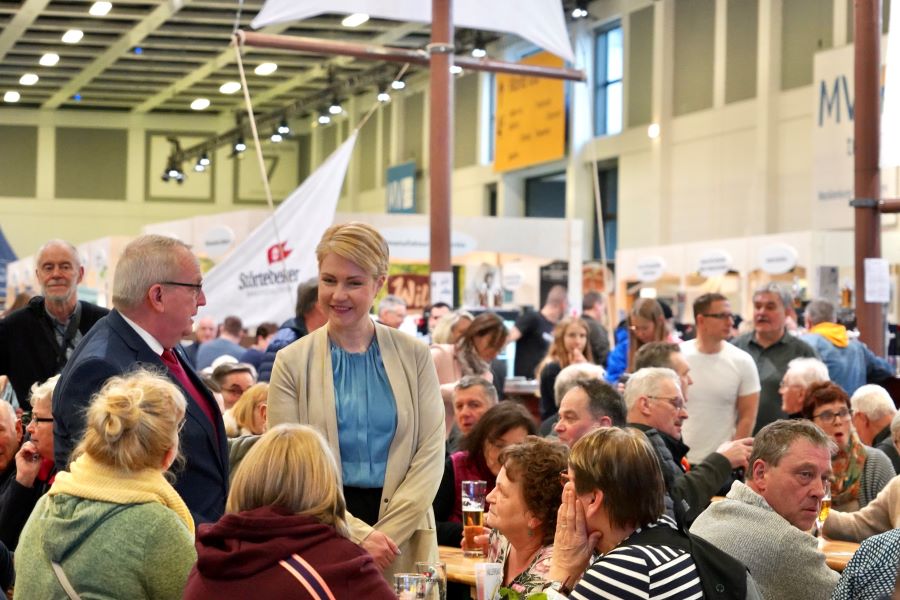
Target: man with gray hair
{"x":850,"y":363}
{"x":765,"y":523}
{"x":392,"y":311}
{"x":473,"y":396}
{"x":801,"y":373}
{"x":564,"y":382}
{"x":657,"y":407}
{"x":771,"y":347}
{"x":11,"y":433}
{"x":873,"y":410}
{"x":38,"y":339}
{"x":156,"y":292}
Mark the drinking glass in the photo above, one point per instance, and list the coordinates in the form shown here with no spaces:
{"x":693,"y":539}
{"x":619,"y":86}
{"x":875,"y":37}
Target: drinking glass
{"x":824,"y":507}
{"x":435,"y":574}
{"x":488,"y":577}
{"x":409,"y":586}
{"x":473,"y":515}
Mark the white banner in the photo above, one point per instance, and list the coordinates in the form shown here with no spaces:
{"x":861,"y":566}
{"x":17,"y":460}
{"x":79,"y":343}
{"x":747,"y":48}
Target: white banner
{"x":539,"y":21}
{"x":258,"y":281}
{"x":890,"y":111}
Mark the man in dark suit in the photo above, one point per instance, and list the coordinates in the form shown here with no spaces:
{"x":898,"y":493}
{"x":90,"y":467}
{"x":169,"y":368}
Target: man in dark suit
{"x":38,"y":339}
{"x":156,"y":292}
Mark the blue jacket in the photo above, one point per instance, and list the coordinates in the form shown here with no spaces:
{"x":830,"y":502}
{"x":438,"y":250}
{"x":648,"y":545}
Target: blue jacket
{"x":851,"y":366}
{"x":617,"y":361}
{"x":289,"y":332}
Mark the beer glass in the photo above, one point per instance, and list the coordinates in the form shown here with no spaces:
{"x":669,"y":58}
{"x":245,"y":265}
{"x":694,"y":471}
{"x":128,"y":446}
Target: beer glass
{"x":824,"y":508}
{"x":435,"y":574}
{"x":473,"y":515}
{"x":409,"y":586}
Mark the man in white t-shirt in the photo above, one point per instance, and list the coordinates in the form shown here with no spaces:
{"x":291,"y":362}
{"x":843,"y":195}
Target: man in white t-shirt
{"x":725,"y":389}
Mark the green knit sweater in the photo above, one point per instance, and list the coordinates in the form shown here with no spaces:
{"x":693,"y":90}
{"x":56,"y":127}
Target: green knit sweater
{"x":143,"y":551}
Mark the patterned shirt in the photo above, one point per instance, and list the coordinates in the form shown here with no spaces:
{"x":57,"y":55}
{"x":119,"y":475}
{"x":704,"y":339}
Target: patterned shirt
{"x":533,"y":579}
{"x":872,"y":572}
{"x":642,"y":572}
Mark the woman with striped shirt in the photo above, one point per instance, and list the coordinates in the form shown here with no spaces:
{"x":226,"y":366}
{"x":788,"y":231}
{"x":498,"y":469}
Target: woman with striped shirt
{"x":614,"y":494}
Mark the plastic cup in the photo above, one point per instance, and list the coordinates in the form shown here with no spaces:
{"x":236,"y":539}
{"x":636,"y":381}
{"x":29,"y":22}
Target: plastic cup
{"x":488,"y":577}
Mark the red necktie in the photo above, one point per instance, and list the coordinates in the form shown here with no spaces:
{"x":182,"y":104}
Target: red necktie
{"x":171,"y":361}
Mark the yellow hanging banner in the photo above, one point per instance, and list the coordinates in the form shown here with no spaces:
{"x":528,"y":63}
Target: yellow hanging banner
{"x":530,"y":117}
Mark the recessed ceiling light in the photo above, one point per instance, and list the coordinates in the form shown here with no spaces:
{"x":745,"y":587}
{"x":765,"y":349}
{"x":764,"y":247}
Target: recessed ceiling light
{"x":72,"y":36}
{"x":265,"y":69}
{"x":355,"y":20}
{"x":11,"y":96}
{"x":398,"y":84}
{"x":28,"y":79}
{"x":49,"y":60}
{"x":455,"y":69}
{"x":200,"y":104}
{"x":100,"y":9}
{"x":229,"y":87}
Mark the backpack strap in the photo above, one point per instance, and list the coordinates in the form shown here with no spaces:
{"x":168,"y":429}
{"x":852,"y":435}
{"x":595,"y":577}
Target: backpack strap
{"x":308,"y":577}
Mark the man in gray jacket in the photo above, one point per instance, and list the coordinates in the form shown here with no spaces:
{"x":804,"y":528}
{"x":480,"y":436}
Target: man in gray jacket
{"x":765,"y":523}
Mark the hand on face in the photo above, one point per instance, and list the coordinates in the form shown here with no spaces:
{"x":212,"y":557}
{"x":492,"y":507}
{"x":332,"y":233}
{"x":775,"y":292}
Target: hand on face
{"x":572,"y":544}
{"x":28,"y":464}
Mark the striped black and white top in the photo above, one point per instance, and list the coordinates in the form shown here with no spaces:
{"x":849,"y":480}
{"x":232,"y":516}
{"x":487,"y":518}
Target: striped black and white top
{"x":642,"y":572}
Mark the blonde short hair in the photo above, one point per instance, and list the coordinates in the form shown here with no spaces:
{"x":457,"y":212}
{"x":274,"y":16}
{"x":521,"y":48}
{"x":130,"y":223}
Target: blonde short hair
{"x":359,"y":243}
{"x":133,"y":421}
{"x":243,"y":409}
{"x":292,"y":467}
{"x":43,"y":389}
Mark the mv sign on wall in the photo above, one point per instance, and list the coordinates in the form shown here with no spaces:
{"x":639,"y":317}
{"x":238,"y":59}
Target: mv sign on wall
{"x":832,"y":144}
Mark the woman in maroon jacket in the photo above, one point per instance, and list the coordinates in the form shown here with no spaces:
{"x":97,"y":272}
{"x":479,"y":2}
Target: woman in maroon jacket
{"x":284,"y":534}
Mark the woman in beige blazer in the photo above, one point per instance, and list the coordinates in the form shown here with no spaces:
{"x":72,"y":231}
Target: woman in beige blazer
{"x":373,"y":393}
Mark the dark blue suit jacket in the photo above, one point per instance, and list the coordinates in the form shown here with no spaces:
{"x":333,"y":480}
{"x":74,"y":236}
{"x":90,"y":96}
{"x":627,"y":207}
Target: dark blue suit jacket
{"x":113,"y":348}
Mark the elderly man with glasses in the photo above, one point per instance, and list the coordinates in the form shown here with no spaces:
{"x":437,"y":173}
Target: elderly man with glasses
{"x":725,"y":390}
{"x":156,"y":293}
{"x":772,"y":348}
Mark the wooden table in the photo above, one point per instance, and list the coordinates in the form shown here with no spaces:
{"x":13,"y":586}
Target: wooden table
{"x":459,"y":568}
{"x":837,"y":553}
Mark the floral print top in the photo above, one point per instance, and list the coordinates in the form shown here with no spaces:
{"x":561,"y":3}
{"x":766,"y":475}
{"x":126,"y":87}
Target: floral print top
{"x":530,"y":581}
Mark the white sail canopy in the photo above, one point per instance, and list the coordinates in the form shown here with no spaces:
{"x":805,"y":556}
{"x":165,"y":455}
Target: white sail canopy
{"x":538,"y":21}
{"x":259,"y":279}
{"x":890,"y":111}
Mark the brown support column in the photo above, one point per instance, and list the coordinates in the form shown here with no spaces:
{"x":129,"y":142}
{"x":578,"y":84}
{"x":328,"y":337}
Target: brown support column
{"x":440,"y":141}
{"x":867,"y":177}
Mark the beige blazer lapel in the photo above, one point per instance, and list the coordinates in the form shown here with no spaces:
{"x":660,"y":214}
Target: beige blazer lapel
{"x":400,"y":452}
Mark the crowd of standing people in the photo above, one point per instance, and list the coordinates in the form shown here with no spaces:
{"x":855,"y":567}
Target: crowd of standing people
{"x":319,"y":457}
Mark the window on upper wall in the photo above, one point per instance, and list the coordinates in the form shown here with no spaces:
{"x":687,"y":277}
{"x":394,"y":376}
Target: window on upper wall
{"x":609,"y":65}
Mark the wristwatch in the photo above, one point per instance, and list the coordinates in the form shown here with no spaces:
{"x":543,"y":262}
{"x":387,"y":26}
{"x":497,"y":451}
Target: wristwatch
{"x":560,"y":587}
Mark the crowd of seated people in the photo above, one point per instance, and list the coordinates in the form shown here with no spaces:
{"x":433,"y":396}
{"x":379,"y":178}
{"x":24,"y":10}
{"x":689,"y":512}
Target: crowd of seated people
{"x":133,"y":476}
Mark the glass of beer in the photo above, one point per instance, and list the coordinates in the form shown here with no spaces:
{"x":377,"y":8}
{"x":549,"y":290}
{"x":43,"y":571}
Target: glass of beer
{"x":824,"y":507}
{"x":473,"y":515}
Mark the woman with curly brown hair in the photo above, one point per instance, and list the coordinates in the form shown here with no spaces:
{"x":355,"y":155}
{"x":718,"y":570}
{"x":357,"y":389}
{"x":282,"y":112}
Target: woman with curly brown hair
{"x":523,"y":510}
{"x":858,"y":471}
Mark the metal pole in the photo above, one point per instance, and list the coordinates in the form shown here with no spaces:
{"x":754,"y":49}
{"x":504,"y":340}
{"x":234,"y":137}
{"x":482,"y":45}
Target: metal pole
{"x":440,"y":158}
{"x":404,"y":55}
{"x":867,"y":178}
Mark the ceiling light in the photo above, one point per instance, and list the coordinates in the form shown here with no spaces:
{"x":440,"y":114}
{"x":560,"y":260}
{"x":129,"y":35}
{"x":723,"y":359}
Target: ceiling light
{"x":72,"y":36}
{"x":199,"y":167}
{"x":138,"y":50}
{"x":324,"y":119}
{"x":204,"y":159}
{"x":335,"y":107}
{"x":77,"y":97}
{"x":100,"y":9}
{"x":49,"y":60}
{"x":229,"y":87}
{"x":239,"y":145}
{"x":173,"y":171}
{"x":355,"y":20}
{"x":200,"y":104}
{"x":398,"y":84}
{"x":276,"y":137}
{"x":283,"y":127}
{"x":11,"y":96}
{"x":28,"y":79}
{"x":478,"y":51}
{"x":383,"y":96}
{"x":580,"y":10}
{"x":653,"y":131}
{"x":265,"y":69}
{"x":455,"y":69}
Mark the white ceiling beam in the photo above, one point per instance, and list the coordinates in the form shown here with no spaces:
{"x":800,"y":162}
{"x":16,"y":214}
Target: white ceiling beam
{"x":25,"y":16}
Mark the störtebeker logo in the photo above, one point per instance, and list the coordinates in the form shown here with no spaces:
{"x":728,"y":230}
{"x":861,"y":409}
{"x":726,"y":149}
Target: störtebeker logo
{"x":278,"y":252}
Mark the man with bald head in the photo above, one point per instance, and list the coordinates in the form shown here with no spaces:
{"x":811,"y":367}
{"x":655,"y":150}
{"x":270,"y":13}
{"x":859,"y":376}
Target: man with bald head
{"x":37,"y":340}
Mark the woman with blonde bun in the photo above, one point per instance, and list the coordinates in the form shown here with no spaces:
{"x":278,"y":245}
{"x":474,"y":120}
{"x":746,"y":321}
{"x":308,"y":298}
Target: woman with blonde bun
{"x":114,"y":527}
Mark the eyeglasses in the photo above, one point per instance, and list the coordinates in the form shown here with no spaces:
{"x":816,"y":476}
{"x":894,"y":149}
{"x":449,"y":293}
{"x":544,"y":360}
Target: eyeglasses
{"x":28,"y":418}
{"x":676,"y":402}
{"x":196,"y":286}
{"x":729,"y":316}
{"x":832,"y":416}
